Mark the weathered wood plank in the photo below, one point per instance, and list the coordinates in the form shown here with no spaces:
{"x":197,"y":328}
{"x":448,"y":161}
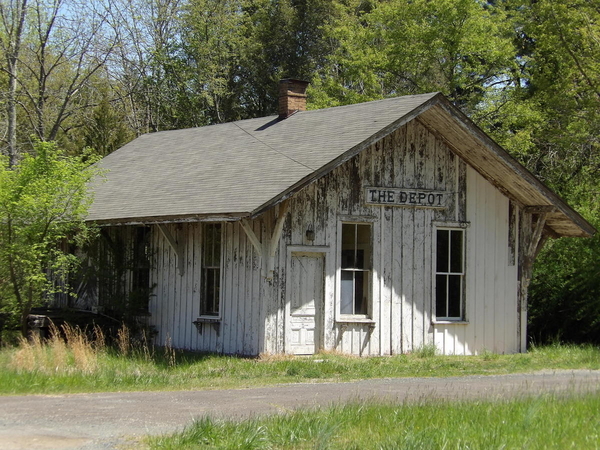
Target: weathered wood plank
{"x":419,"y":291}
{"x":500,"y":272}
{"x":477,"y":218}
{"x":408,"y":221}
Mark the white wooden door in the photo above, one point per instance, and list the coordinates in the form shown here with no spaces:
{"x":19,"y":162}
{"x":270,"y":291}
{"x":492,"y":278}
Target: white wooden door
{"x":305,"y":303}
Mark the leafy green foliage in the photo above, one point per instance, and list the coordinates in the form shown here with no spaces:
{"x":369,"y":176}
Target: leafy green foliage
{"x":43,"y":203}
{"x":461,"y":48}
{"x":550,"y":122}
{"x":565,"y":292}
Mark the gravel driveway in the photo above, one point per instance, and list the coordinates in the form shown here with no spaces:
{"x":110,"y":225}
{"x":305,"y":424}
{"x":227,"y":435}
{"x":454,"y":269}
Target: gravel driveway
{"x":116,"y":419}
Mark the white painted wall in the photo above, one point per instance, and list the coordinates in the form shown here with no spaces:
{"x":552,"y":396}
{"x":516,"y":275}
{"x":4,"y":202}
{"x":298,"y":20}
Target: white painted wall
{"x":491,"y":278}
{"x":253,"y":308}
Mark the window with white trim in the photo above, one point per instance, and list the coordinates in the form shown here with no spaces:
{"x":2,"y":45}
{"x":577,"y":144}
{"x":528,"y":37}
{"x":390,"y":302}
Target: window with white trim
{"x":449,"y":274}
{"x":356,"y":257}
{"x":211,"y":269}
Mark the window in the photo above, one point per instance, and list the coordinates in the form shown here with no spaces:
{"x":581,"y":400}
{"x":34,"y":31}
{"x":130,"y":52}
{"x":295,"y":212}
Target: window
{"x":449,"y":274}
{"x":140,"y":273}
{"x":211,"y":269}
{"x":356,"y":268}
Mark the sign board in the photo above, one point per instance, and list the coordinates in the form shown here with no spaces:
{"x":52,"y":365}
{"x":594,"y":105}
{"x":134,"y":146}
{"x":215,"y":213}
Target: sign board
{"x":415,"y":198}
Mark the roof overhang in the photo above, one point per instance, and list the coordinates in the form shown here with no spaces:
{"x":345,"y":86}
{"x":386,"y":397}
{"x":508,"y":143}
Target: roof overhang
{"x":494,"y":163}
{"x":192,"y":218}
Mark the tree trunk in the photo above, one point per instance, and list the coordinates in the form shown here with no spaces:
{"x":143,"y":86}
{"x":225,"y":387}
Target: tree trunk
{"x":12,"y":113}
{"x":16,"y":19}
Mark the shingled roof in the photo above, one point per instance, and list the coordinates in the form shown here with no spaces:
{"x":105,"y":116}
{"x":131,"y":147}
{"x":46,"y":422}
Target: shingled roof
{"x":240,"y":169}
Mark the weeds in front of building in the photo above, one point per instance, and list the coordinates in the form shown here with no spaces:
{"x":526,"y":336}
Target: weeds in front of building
{"x":72,"y":350}
{"x":86,"y":360}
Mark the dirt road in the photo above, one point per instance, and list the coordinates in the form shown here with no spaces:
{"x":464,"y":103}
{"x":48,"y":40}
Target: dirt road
{"x":104,"y":421}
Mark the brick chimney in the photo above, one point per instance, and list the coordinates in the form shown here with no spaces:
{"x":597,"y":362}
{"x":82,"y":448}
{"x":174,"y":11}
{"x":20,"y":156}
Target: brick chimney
{"x":292,"y":97}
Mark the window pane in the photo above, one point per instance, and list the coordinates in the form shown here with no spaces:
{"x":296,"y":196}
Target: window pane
{"x":441,"y":294}
{"x":442,"y":263}
{"x":210,"y":281}
{"x":348,"y":246}
{"x":217,"y":245}
{"x":212,"y":245}
{"x":211,"y":269}
{"x":207,"y":246}
{"x":360,"y":292}
{"x":347,"y":292}
{"x":456,"y":251}
{"x":363,"y":245}
{"x":356,"y":258}
{"x":454,"y":295}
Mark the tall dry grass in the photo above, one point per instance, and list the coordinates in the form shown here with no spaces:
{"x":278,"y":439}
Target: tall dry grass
{"x":73,"y":350}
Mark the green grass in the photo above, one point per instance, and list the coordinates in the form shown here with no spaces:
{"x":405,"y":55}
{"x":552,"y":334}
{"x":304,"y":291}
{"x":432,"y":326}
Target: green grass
{"x":530,"y":423}
{"x":51,"y":370}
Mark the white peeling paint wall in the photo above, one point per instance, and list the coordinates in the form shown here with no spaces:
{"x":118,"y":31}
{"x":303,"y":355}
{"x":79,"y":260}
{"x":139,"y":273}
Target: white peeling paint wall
{"x":253,"y":307}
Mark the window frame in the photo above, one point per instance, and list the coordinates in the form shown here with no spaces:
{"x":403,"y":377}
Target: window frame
{"x":450,"y":227}
{"x":355,"y":317}
{"x":204,"y":268}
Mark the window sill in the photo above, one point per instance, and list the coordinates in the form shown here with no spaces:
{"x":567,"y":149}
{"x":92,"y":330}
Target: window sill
{"x":450,"y":322}
{"x":208,"y":319}
{"x":359,"y":320}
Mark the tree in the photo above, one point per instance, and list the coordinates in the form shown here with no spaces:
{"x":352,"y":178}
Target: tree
{"x":286,"y":39}
{"x":549,"y":119}
{"x":105,"y":131}
{"x":459,"y":47}
{"x":58,"y":47}
{"x":146,"y":71}
{"x":12,"y":19}
{"x":43,"y":204}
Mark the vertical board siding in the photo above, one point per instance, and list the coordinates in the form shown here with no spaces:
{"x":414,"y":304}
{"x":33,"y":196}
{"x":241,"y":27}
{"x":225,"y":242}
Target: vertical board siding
{"x":175,"y":300}
{"x":402,"y":242}
{"x":491,"y":290}
{"x":253,"y":305}
{"x":402,"y":271}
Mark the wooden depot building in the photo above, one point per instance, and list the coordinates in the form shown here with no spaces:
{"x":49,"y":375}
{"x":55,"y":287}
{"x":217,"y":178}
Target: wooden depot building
{"x":370,"y":229}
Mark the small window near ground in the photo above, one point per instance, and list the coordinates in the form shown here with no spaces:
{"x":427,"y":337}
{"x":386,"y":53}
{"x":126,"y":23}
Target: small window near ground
{"x":449,"y":274}
{"x":356,"y":268}
{"x":211,"y":270}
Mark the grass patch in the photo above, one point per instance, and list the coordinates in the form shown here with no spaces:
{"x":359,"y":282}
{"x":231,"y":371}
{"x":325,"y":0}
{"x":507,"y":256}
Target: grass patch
{"x":533,"y":423}
{"x":74,"y":361}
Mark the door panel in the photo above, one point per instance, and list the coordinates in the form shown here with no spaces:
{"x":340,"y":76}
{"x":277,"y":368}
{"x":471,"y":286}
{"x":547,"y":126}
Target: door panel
{"x":306,"y":300}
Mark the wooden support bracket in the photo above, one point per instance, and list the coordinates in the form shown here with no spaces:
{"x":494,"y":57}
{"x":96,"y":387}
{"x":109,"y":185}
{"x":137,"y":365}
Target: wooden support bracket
{"x":534,"y":249}
{"x":283,"y":208}
{"x":267,"y":249}
{"x":342,"y":327}
{"x":274,"y":241}
{"x":250,"y":233}
{"x":177,"y":248}
{"x":215,"y":323}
